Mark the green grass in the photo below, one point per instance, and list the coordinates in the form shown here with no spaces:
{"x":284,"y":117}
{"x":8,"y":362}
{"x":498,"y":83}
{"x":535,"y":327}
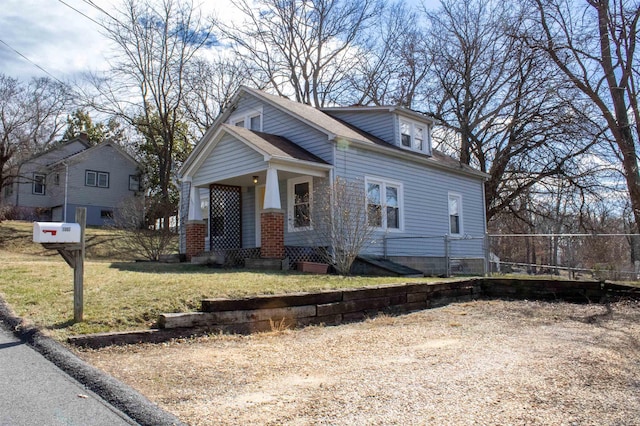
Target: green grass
{"x":125,"y":295}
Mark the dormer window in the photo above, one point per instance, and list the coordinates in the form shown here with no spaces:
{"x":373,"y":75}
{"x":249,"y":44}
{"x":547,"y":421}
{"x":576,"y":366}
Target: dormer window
{"x":251,"y":120}
{"x":414,"y":136}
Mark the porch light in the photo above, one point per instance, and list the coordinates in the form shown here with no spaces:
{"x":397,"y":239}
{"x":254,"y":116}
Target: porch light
{"x":255,"y":179}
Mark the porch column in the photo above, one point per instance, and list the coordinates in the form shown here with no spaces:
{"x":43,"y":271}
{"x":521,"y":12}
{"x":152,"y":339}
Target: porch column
{"x":272,"y":219}
{"x":195,"y":227}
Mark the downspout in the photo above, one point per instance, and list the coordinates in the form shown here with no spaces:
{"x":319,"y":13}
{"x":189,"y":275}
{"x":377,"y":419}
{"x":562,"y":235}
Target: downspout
{"x":66,"y":189}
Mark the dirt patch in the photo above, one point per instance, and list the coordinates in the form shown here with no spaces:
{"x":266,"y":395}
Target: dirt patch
{"x":486,"y":362}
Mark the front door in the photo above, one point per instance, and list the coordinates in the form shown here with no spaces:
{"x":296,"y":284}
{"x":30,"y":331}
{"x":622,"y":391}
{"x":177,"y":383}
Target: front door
{"x":225,"y":217}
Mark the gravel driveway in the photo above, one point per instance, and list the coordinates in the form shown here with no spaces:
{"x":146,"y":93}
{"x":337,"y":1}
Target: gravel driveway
{"x":484,"y":362}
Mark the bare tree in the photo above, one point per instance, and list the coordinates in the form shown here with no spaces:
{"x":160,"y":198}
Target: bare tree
{"x":393,"y":62}
{"x":137,"y":239}
{"x":307,"y":47}
{"x":32,"y":116}
{"x":155,"y":41}
{"x":593,"y":43}
{"x":210,"y":86}
{"x":341,"y":224}
{"x":506,"y":111}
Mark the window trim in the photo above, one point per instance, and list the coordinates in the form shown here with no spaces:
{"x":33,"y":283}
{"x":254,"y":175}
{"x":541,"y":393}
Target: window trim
{"x":138,"y":181}
{"x":96,"y":183}
{"x":291,"y":183}
{"x":413,"y":125}
{"x":384,"y":183}
{"x":246,"y":118}
{"x":458,"y":197}
{"x":42,"y":183}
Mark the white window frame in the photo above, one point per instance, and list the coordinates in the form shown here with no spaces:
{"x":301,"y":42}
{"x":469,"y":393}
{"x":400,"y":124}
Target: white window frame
{"x":384,"y":183}
{"x":134,"y":183}
{"x":42,"y":183}
{"x":291,"y":183}
{"x":413,"y":126}
{"x":96,"y":176}
{"x":246,"y":119}
{"x":458,"y":198}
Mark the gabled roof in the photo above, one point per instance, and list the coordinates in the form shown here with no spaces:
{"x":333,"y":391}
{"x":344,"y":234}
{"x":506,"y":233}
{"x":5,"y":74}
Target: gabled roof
{"x":272,"y":145}
{"x":59,"y":146}
{"x":79,"y":155}
{"x":314,"y":117}
{"x":394,"y":109}
{"x":334,"y":128}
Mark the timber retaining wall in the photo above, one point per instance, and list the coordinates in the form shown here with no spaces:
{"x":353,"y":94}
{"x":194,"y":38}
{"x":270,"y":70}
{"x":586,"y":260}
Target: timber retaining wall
{"x":275,"y":312}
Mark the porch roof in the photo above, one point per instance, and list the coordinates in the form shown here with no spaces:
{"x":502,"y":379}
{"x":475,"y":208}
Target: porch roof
{"x":272,"y":145}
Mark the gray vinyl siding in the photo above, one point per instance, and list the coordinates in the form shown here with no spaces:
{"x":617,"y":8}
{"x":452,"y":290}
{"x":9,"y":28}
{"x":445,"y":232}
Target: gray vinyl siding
{"x":23,"y":195}
{"x":425,"y":201}
{"x":96,"y":199}
{"x":106,"y":159}
{"x":228,"y":159}
{"x":277,"y":122}
{"x":380,"y":124}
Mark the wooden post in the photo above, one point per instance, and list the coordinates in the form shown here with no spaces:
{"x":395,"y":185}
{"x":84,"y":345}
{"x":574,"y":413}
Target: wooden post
{"x":78,"y":270}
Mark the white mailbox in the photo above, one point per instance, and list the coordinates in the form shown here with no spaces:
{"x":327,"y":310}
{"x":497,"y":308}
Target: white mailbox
{"x":56,"y":232}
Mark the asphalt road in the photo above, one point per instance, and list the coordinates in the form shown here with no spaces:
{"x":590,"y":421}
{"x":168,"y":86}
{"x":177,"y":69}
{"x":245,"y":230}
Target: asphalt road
{"x":44,"y":383}
{"x":33,"y":391}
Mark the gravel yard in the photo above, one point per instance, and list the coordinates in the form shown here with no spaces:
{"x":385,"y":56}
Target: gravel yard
{"x":484,"y":362}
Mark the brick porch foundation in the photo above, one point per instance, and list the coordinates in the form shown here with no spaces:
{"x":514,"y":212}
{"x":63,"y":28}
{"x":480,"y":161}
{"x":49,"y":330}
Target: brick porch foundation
{"x":272,"y":234}
{"x":196,"y":232}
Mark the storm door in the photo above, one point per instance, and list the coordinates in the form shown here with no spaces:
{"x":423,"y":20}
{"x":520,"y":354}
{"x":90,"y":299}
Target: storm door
{"x":225,"y":217}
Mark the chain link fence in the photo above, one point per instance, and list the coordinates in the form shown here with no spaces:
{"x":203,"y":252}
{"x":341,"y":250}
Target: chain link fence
{"x":440,"y":255}
{"x":574,"y":256}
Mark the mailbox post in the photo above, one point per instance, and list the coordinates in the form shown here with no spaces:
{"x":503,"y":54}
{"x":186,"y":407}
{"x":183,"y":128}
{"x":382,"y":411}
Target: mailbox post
{"x":68,"y":239}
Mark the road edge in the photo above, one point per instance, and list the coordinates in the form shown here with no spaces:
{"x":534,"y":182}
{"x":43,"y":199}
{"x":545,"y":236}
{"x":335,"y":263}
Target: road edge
{"x":121,"y":396}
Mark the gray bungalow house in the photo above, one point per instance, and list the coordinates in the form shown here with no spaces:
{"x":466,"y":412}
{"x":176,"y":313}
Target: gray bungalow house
{"x":256,"y":169}
{"x":75,"y":174}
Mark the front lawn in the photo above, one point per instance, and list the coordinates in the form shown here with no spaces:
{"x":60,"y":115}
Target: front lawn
{"x":122,"y":296}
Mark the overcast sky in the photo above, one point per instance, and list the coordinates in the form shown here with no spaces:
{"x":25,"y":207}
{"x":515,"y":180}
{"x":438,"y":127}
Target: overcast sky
{"x":58,"y":39}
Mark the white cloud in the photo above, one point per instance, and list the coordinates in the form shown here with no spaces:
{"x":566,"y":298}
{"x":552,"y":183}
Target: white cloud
{"x":63,"y":41}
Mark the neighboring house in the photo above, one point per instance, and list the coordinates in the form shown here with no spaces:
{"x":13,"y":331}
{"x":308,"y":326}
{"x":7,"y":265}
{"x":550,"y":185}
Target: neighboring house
{"x":74,"y":174}
{"x":256,"y":169}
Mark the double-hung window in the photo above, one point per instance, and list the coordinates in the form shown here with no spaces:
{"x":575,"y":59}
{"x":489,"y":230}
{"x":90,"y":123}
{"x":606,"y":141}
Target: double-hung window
{"x":38,"y":187}
{"x":455,"y":214}
{"x":95,"y":178}
{"x":414,"y":136}
{"x":300,"y":200}
{"x":384,"y":204}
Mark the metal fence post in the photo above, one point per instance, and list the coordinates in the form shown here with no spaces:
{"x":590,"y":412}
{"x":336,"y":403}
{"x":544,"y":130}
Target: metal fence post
{"x":447,"y":257}
{"x":487,"y":255}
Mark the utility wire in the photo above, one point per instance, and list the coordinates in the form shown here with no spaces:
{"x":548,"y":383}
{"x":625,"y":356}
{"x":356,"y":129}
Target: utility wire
{"x":85,"y":15}
{"x":31,"y":62}
{"x":95,"y":6}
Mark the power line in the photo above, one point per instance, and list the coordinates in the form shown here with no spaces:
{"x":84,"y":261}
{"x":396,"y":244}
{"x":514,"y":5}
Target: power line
{"x":31,"y":62}
{"x":85,"y":15}
{"x":95,"y":6}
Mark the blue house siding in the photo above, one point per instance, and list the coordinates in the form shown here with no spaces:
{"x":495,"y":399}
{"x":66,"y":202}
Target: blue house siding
{"x":277,"y":122}
{"x":379,"y":123}
{"x":228,"y":159}
{"x":425,"y":201}
{"x":426,"y":182}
